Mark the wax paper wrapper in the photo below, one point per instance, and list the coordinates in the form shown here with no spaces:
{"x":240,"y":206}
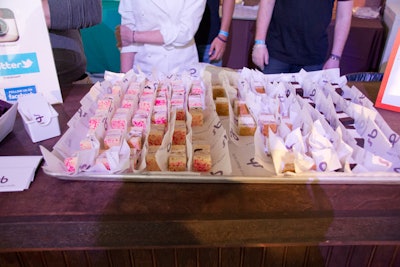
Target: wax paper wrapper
{"x":316,"y":137}
{"x":69,"y":157}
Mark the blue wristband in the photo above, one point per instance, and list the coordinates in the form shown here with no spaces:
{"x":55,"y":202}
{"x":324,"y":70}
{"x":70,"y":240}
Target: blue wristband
{"x":224,"y":33}
{"x":261,"y":42}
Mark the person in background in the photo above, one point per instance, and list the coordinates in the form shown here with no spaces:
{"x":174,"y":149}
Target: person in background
{"x":292,"y":35}
{"x":64,"y":19}
{"x":159,"y":34}
{"x":213,"y":32}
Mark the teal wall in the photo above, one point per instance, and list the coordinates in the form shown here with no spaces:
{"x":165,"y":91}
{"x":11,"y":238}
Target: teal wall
{"x":100,"y":43}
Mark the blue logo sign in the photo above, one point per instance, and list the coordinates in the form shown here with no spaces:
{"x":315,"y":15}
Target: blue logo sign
{"x":12,"y":94}
{"x":18,"y":64}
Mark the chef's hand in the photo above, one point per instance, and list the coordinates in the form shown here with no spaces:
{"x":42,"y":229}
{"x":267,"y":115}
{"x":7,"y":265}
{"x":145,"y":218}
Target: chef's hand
{"x":260,"y":55}
{"x":127,"y":35}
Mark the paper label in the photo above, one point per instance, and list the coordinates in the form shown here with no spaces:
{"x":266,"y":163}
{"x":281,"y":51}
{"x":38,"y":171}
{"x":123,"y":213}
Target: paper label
{"x":17,"y":172}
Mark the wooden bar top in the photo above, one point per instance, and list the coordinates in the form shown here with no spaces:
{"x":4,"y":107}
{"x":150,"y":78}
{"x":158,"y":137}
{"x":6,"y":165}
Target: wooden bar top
{"x":60,"y":214}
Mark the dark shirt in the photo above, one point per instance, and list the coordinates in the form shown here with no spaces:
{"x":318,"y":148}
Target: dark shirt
{"x":67,"y":18}
{"x":210,"y":24}
{"x":298,"y":31}
{"x":70,"y":60}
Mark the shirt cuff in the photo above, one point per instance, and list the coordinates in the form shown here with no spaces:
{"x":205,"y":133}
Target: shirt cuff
{"x":130,"y":49}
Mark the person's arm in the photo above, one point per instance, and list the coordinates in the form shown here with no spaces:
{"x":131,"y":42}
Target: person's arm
{"x":46,"y":11}
{"x":218,"y":45}
{"x":125,"y":36}
{"x":341,"y":32}
{"x":127,"y":60}
{"x":176,"y":32}
{"x":172,"y":32}
{"x":227,"y":11}
{"x":149,"y":37}
{"x":260,"y":55}
{"x":72,"y":14}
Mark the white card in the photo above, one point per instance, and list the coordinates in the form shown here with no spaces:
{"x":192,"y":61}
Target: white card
{"x":17,"y":172}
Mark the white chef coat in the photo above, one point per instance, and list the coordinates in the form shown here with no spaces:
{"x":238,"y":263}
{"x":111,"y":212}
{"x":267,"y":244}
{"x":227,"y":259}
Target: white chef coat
{"x":177,"y":20}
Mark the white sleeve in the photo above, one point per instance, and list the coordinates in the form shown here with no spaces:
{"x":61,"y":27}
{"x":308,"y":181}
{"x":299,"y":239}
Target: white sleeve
{"x":180,"y":30}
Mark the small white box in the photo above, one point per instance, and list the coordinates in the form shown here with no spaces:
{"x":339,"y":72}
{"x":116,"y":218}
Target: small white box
{"x":7,"y":121}
{"x":42,"y":123}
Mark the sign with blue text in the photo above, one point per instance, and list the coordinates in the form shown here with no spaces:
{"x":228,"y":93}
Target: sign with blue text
{"x":26,"y":59}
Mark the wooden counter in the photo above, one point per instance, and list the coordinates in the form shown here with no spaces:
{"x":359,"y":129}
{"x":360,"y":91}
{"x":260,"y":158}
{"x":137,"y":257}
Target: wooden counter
{"x":81,"y":223}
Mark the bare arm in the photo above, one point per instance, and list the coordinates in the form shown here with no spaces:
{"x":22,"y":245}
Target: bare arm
{"x":227,"y":11}
{"x":128,"y":37}
{"x":341,"y":32}
{"x":149,"y":37}
{"x":176,"y":29}
{"x":127,"y":60}
{"x":218,"y":46}
{"x":264,"y":15}
{"x":260,"y":54}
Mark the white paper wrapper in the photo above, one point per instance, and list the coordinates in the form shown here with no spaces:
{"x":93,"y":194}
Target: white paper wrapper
{"x":327,"y":142}
{"x":121,"y":159}
{"x":310,"y":138}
